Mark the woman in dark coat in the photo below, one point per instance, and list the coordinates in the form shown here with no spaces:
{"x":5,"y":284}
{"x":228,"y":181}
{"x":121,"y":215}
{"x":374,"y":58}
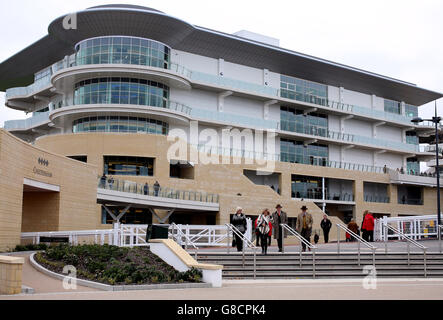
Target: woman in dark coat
{"x":239,"y":221}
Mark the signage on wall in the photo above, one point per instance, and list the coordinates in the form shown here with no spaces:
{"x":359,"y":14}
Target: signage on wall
{"x":43,"y":163}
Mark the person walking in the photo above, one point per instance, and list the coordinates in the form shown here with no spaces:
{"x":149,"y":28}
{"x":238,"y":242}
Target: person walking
{"x":239,"y":221}
{"x":278,"y":218}
{"x":326,"y":226}
{"x":304,"y":226}
{"x":156,"y":188}
{"x":368,"y":224}
{"x":265,"y":228}
{"x":257,"y":233}
{"x":146,"y":189}
{"x":364,"y":234}
{"x":353,"y":226}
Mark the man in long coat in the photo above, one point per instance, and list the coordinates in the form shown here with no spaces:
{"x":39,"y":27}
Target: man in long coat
{"x":279,"y":217}
{"x":304,"y":225}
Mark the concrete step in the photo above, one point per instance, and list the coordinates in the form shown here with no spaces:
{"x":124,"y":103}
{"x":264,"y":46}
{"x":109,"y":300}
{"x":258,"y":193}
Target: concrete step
{"x":326,"y":264}
{"x":325,"y":274}
{"x":318,"y":260}
{"x":328,"y":268}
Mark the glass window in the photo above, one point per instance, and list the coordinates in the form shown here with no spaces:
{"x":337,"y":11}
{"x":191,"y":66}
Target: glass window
{"x":411,"y":111}
{"x":392,"y":106}
{"x":304,"y":90}
{"x":120,"y":124}
{"x":128,"y":166}
{"x":121,"y":91}
{"x":296,"y":152}
{"x":123,"y":50}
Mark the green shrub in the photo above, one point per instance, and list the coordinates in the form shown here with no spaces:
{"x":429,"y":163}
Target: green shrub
{"x":113,"y":265}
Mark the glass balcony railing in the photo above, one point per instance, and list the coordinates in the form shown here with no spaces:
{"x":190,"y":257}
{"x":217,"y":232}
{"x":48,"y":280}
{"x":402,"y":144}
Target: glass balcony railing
{"x":171,"y":105}
{"x":432,"y":148}
{"x":28,"y":91}
{"x":315,"y":195}
{"x":109,"y":183}
{"x":263,"y":156}
{"x":376,"y":198}
{"x":234,"y":119}
{"x":233,"y":83}
{"x":350,"y":138}
{"x":29,"y":123}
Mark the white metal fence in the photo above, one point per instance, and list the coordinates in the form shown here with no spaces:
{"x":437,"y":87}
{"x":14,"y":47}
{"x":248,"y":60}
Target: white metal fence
{"x":102,"y":237}
{"x":136,"y":235}
{"x":415,"y":227}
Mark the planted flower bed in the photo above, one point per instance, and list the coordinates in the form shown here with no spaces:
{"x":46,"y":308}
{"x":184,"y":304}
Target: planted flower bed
{"x":114,"y":265}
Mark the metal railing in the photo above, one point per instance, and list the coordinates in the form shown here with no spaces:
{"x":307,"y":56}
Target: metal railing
{"x":249,"y":244}
{"x":376,"y":199}
{"x":359,"y":240}
{"x":155,"y":191}
{"x":26,"y":124}
{"x":77,"y":237}
{"x":440,"y":229}
{"x":285,"y":227}
{"x":409,"y":241}
{"x":180,"y":235}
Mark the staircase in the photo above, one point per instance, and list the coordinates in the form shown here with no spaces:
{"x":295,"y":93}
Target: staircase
{"x":328,"y":265}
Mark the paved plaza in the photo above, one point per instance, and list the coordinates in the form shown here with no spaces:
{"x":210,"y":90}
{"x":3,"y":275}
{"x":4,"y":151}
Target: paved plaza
{"x":47,"y":288}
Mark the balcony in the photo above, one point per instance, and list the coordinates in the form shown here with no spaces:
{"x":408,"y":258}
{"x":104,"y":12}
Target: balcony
{"x":409,"y":179}
{"x":317,"y":196}
{"x":233,"y":119}
{"x":27,"y":124}
{"x":25,"y":92}
{"x":376,"y":198}
{"x":349,"y":138}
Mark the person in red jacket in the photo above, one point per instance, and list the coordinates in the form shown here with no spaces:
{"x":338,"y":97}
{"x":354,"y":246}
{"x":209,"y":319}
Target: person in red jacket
{"x":368,"y":226}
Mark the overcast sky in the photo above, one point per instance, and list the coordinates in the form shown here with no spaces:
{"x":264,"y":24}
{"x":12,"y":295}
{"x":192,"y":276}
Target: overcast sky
{"x":400,"y":39}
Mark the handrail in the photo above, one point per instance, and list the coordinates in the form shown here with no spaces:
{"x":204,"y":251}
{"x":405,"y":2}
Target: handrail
{"x":299,"y":236}
{"x":409,"y":241}
{"x":360,"y":240}
{"x":439,"y":230}
{"x":182,"y":234}
{"x":248,"y":242}
{"x":302,"y":240}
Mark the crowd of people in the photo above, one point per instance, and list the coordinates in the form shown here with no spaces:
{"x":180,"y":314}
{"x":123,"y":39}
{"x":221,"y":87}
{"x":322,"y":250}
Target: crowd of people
{"x":108,"y":183}
{"x":268,"y":225}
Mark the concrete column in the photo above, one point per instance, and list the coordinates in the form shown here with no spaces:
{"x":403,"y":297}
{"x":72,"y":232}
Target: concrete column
{"x":341,"y":95}
{"x":221,"y":67}
{"x":221,"y":100}
{"x":266,"y":78}
{"x":374,"y":128}
{"x":266,"y":106}
{"x":286,"y":185}
{"x":342,"y":122}
{"x":403,"y":108}
{"x":373,"y":101}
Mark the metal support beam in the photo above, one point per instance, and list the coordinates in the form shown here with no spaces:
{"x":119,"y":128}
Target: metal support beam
{"x":342,"y":122}
{"x":221,"y":99}
{"x":113,"y":216}
{"x":266,"y":106}
{"x":308,"y":142}
{"x":162,"y":221}
{"x":44,"y":99}
{"x":306,"y":112}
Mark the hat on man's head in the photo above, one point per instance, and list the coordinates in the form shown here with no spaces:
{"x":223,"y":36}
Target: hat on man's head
{"x":239,"y":209}
{"x":304,"y":208}
{"x":278,"y":206}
